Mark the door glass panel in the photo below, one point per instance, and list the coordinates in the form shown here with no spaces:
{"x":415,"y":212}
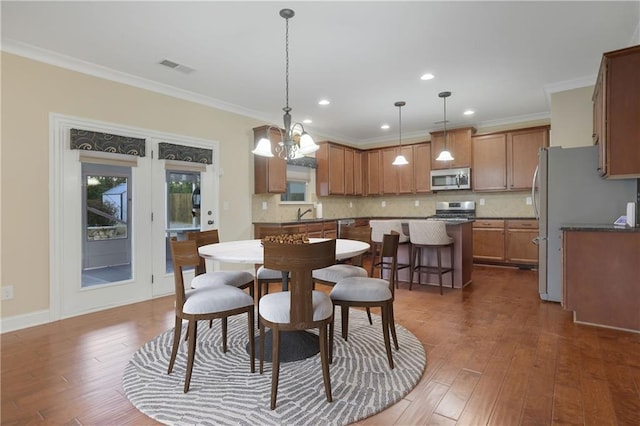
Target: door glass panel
{"x":183,"y":207}
{"x":106,"y":246}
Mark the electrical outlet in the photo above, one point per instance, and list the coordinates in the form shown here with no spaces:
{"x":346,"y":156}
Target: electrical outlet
{"x":528,"y":201}
{"x":482,"y":201}
{"x":7,"y":292}
{"x":264,"y":205}
{"x":350,"y":205}
{"x":416,"y":203}
{"x":225,"y":205}
{"x":383,"y":204}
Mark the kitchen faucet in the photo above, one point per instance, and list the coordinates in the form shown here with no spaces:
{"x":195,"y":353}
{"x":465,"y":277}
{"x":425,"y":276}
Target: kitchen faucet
{"x":303,"y":213}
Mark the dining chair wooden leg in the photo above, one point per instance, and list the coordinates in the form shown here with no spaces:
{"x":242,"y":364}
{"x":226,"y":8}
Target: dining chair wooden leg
{"x":224,"y":334}
{"x":392,"y":326}
{"x":252,"y":348}
{"x":439,"y":269}
{"x":324,"y":359}
{"x":261,"y":347}
{"x":344,"y":313}
{"x":275,"y":365}
{"x":192,"y":330}
{"x":369,"y":315}
{"x":385,"y":333}
{"x":177,"y":333}
{"x":331,"y":333}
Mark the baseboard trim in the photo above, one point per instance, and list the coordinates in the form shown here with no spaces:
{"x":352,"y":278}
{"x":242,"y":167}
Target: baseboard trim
{"x":19,"y":322}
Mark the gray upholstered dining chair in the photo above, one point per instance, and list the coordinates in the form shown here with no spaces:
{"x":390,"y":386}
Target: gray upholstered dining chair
{"x":239,"y":279}
{"x":300,"y":308}
{"x":368,"y":293}
{"x":208,"y":303}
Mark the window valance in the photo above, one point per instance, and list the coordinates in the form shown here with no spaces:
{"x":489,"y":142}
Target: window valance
{"x":169,"y":151}
{"x":105,"y":142}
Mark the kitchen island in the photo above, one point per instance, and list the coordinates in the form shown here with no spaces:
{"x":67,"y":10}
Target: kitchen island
{"x":460,"y":230}
{"x":462,"y":233}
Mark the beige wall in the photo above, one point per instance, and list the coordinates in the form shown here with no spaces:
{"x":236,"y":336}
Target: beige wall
{"x":30,"y":92}
{"x":572,"y":118}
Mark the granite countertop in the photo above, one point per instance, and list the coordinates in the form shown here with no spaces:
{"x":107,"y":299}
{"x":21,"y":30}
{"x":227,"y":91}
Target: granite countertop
{"x":598,"y":227}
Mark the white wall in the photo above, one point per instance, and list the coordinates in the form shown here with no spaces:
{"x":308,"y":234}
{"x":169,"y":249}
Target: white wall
{"x":30,"y":92}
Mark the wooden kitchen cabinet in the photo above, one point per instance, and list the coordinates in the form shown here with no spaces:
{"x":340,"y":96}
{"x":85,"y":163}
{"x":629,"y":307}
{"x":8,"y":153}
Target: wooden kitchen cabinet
{"x":330,"y":171}
{"x":269,"y":174}
{"x":315,"y":229}
{"x":458,"y":143}
{"x":507,"y":160}
{"x":397,"y":179}
{"x":422,"y":167}
{"x":522,"y":155}
{"x":506,"y":242}
{"x":358,"y":173}
{"x":616,"y":108}
{"x":349,"y":171}
{"x":489,"y":169}
{"x":600,"y":272}
{"x":519,"y":246}
{"x":373,"y":184}
{"x":488,"y":240}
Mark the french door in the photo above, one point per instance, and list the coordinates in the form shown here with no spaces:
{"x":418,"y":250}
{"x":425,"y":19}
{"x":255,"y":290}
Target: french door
{"x":111,"y":217}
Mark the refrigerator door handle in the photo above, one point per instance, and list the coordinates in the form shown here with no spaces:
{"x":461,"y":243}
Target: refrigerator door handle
{"x":536,"y":212}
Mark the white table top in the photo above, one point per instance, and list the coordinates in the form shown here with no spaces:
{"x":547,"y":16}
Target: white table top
{"x":251,"y":251}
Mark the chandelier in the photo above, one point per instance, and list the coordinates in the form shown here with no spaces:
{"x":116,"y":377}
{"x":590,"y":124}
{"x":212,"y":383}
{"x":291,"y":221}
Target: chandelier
{"x":288,"y":148}
{"x":445,"y":155}
{"x":400,"y":159}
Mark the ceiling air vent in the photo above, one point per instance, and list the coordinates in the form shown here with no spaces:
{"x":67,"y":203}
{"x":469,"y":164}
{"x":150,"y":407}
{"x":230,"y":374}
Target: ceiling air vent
{"x":176,"y":66}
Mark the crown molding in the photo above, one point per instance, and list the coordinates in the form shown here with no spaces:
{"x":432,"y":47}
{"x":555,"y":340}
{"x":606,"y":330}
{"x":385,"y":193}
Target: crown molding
{"x":84,"y":67}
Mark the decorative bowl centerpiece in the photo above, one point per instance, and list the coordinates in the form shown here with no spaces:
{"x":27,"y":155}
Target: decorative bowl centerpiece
{"x":286,"y":239}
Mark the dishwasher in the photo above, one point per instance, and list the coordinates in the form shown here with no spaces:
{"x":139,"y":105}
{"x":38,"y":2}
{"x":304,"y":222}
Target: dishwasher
{"x":344,"y":222}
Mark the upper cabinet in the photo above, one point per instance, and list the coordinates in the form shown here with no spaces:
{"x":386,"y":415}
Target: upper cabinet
{"x":269,"y":173}
{"x":616,"y":112}
{"x":458,"y":143}
{"x":339,"y":170}
{"x":507,"y":160}
{"x":397,"y":179}
{"x":422,"y":167}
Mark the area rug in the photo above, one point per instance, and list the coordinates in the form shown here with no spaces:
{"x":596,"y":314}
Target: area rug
{"x":223,"y":391}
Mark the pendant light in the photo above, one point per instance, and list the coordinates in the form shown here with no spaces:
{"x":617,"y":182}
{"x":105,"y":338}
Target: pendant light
{"x":400,"y":160}
{"x":287,"y":149}
{"x":445,"y":155}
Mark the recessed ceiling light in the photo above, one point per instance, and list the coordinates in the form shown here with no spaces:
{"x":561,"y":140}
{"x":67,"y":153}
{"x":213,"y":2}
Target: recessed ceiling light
{"x":307,"y":121}
{"x":324,"y":102}
{"x":385,"y":127}
{"x":427,"y":76}
{"x":469,"y":112}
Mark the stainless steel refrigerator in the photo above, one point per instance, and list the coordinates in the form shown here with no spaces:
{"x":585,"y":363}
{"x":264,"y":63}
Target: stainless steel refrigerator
{"x":568,"y":190}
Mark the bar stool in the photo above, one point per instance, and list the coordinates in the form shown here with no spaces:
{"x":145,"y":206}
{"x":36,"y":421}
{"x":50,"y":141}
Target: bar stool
{"x":378,"y":229}
{"x":429,"y":234}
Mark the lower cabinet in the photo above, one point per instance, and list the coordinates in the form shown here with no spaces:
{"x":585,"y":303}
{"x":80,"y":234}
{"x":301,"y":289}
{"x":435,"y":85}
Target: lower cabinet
{"x":488,"y":240}
{"x":321,"y":229}
{"x":508,"y":242}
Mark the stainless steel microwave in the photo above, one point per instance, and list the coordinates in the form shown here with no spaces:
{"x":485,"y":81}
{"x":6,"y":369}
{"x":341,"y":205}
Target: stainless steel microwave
{"x":451,"y":179}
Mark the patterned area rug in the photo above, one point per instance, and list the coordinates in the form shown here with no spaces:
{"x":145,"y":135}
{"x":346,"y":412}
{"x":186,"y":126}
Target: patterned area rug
{"x":224,"y":392}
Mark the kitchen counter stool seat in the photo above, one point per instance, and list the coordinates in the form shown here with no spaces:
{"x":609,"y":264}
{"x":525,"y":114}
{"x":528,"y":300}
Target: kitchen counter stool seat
{"x":429,"y":235}
{"x":378,"y":229}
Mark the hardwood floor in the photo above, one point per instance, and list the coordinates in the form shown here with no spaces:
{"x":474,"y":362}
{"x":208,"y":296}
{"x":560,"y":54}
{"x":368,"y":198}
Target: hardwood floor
{"x":496,"y":355}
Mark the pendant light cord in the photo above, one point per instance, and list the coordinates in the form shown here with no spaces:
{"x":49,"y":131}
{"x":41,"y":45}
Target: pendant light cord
{"x":286,"y":54}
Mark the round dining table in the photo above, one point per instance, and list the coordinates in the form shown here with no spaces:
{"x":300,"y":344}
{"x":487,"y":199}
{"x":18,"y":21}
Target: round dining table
{"x":295,"y":345}
{"x":251,"y":251}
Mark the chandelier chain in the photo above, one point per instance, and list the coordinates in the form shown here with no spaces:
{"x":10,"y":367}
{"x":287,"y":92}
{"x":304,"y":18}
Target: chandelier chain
{"x":286,"y":53}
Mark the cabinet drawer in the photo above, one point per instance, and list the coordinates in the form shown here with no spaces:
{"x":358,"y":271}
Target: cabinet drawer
{"x":522,"y":224}
{"x":314,"y":227}
{"x":488,"y":223}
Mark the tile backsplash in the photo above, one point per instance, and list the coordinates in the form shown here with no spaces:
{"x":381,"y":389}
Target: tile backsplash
{"x":488,"y":204}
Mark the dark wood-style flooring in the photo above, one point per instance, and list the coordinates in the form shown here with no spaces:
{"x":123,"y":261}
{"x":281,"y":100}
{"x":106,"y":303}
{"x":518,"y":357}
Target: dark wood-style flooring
{"x":496,"y":355}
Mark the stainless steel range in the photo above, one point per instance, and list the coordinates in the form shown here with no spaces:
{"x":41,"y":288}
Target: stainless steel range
{"x":455,"y":210}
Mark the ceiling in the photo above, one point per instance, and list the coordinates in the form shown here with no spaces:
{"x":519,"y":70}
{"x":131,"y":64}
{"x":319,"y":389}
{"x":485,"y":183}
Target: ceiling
{"x":501,"y":59}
